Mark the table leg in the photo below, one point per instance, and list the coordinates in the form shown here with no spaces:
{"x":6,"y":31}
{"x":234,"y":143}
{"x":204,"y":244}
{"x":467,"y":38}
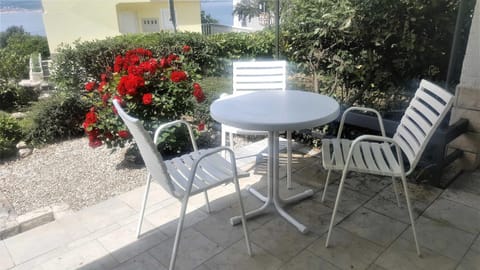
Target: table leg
{"x":273,"y":196}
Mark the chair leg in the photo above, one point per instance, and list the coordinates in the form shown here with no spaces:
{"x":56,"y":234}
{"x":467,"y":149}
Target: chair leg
{"x":144,"y":204}
{"x":339,"y":194}
{"x":410,"y":213}
{"x":395,"y":190}
{"x":244,"y":219}
{"x":224,"y":137}
{"x":178,"y":234}
{"x":230,"y":138}
{"x":326,"y":185}
{"x":289,"y":160}
{"x":207,"y":202}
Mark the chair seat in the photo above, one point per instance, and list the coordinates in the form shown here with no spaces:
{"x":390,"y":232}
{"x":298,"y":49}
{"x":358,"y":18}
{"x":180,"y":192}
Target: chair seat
{"x":214,"y":170}
{"x":367,"y":157}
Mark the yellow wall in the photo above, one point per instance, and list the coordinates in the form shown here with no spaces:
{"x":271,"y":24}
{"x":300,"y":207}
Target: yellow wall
{"x":69,"y":20}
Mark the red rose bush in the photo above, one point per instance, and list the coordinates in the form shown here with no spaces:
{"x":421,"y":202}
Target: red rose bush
{"x":155,"y":90}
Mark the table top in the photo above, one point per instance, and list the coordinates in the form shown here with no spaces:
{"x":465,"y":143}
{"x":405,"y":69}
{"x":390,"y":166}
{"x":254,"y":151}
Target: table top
{"x":275,"y":110}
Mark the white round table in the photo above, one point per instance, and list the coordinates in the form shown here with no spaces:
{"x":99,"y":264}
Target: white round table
{"x":275,"y":111}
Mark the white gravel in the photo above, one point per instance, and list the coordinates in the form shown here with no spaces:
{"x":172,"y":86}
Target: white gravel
{"x":68,"y":172}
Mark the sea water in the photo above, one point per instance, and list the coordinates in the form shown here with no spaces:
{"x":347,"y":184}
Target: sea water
{"x":25,"y":13}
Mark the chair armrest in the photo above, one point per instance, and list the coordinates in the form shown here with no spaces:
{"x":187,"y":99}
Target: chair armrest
{"x":159,"y":130}
{"x":210,"y":152}
{"x":361,"y":109}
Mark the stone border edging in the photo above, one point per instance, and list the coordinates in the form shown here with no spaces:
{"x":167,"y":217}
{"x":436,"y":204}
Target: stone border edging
{"x":32,"y":220}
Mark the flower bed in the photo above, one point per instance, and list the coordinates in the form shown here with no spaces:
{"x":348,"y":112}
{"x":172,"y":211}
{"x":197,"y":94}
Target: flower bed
{"x":154,"y":90}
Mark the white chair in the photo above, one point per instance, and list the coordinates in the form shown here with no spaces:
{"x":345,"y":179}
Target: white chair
{"x":184,"y":176}
{"x":258,"y":76}
{"x":382,"y":155}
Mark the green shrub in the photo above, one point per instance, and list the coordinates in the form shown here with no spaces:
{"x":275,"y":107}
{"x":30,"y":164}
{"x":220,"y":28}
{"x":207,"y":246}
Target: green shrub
{"x":74,"y":65}
{"x":14,"y":96}
{"x":10,"y":135}
{"x":56,"y":118}
{"x":8,"y":97}
{"x":371,"y":52}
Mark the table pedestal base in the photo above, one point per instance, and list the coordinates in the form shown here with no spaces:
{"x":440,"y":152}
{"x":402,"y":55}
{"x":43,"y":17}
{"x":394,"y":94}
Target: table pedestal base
{"x":273,"y":199}
{"x":277,"y":206}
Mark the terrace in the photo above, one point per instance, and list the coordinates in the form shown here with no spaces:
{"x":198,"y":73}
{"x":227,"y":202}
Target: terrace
{"x":371,"y":231}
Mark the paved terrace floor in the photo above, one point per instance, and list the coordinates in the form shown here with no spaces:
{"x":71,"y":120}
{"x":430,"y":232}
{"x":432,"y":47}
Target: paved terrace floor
{"x":371,"y":233}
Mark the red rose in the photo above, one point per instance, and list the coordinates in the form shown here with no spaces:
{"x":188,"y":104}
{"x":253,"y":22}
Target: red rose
{"x":95,"y":143}
{"x":93,"y":140}
{"x":172,"y":57}
{"x":201,"y":126}
{"x":147,"y":98}
{"x":101,"y":86}
{"x":129,"y":84}
{"x":186,"y":48}
{"x":123,"y":134}
{"x":178,"y":76}
{"x":109,"y":135}
{"x":118,"y":65}
{"x":105,"y":98}
{"x":149,"y":66}
{"x":164,"y":63}
{"x":120,"y":100}
{"x":90,"y":86}
{"x":90,"y":118}
{"x":198,"y":92}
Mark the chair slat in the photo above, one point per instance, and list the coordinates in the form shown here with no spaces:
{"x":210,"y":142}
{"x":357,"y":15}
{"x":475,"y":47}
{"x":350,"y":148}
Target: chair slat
{"x":417,"y":118}
{"x":430,"y":100}
{"x":406,"y":148}
{"x":437,"y":90}
{"x":390,"y":157}
{"x":177,"y":178}
{"x":258,"y":72}
{"x":345,"y":145}
{"x":358,"y":158}
{"x":417,"y":133}
{"x":379,"y":157}
{"x":184,"y":170}
{"x":327,"y":151}
{"x":369,"y":158}
{"x":424,"y":110}
{"x":201,"y":175}
{"x":410,"y":139}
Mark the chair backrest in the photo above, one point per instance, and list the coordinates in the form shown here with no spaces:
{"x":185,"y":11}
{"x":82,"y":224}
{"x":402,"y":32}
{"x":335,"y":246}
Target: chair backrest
{"x":152,"y":158}
{"x":422,"y":117}
{"x":259,"y":75}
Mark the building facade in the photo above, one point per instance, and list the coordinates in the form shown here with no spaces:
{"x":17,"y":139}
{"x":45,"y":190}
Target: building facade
{"x":68,"y":21}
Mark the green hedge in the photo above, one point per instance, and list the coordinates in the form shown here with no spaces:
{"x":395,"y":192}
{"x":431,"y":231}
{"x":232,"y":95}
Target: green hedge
{"x":10,"y":135}
{"x":76,"y":64}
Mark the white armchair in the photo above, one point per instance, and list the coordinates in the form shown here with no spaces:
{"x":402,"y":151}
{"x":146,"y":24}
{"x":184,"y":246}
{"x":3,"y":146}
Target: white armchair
{"x":258,"y":76}
{"x":382,"y":155}
{"x":184,"y":176}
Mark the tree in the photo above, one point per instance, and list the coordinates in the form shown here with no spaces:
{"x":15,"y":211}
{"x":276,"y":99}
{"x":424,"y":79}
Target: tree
{"x":247,"y":9}
{"x":207,"y":18}
{"x":370,"y":52}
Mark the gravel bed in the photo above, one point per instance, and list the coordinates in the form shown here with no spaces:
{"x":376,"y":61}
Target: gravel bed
{"x":73,"y":173}
{"x":68,"y":172}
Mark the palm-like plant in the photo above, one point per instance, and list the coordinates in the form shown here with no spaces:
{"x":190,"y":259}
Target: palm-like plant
{"x":248,"y":9}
